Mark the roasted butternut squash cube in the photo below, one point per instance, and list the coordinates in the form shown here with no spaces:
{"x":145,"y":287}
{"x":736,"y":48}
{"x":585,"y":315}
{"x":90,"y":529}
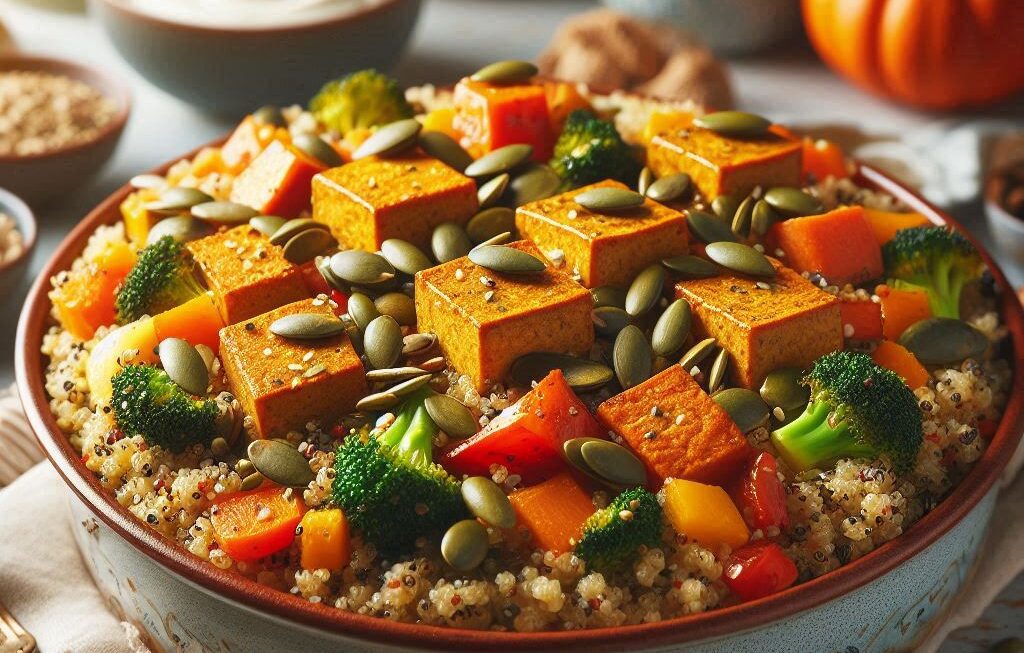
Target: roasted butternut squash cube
{"x":247,"y":274}
{"x":277,"y":181}
{"x":279,"y":385}
{"x":490,"y":116}
{"x":485,"y":320}
{"x":368,"y":201}
{"x":677,"y":429}
{"x":791,"y":323}
{"x":839,"y":245}
{"x":719,"y":165}
{"x":603,"y":249}
{"x":137,"y":220}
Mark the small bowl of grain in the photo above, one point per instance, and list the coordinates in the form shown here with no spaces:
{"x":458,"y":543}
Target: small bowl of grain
{"x":17,"y":240}
{"x":59,"y":123}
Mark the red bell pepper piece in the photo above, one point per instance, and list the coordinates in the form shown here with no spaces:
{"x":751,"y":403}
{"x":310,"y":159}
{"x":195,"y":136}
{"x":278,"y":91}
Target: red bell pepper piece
{"x":761,"y":496}
{"x":758,"y":569}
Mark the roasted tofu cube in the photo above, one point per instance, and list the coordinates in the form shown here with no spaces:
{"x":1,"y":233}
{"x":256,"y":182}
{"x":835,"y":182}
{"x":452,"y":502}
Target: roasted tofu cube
{"x":677,"y":429}
{"x":247,"y":274}
{"x":490,"y":116}
{"x":282,"y":384}
{"x":368,"y":201}
{"x":277,"y":182}
{"x":790,"y":323}
{"x":721,"y":165}
{"x":602,"y":248}
{"x":485,"y":320}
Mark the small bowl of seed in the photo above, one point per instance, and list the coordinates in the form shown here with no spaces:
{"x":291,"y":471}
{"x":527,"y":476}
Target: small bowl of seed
{"x":1004,"y":204}
{"x":17,"y":240}
{"x":59,"y":123}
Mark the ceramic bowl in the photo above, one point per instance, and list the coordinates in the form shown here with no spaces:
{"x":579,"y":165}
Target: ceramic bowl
{"x":12,"y":272}
{"x":885,"y":600}
{"x":40,"y":178}
{"x":233,"y":71}
{"x":1007,"y":229}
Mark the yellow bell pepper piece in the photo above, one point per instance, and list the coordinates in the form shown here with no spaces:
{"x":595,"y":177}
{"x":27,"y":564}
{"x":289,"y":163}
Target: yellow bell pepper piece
{"x":137,"y":220}
{"x":664,"y":121}
{"x":704,"y":513}
{"x":325,"y":542}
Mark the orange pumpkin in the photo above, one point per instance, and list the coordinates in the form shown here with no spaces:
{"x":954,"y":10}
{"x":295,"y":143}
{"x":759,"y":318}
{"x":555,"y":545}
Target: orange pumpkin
{"x":937,"y":54}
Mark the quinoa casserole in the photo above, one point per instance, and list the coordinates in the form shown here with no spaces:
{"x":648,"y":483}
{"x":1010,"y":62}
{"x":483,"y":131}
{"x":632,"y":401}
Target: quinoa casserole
{"x":517,"y":356}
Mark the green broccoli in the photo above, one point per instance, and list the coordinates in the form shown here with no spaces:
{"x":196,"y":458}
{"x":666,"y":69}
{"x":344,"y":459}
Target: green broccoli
{"x":389,"y":486}
{"x":163,"y":277}
{"x":590,"y":150}
{"x":360,"y":100}
{"x":857,"y":410}
{"x":936,"y":259}
{"x":147,"y":402}
{"x":612,"y":535}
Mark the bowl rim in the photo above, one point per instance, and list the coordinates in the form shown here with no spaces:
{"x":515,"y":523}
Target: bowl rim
{"x":25,"y":220}
{"x":286,"y":608}
{"x":330,"y":21}
{"x":112,"y":88}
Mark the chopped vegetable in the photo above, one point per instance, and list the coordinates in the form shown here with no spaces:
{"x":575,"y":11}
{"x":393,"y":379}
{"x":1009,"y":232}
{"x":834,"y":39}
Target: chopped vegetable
{"x":894,"y":356}
{"x":936,"y":259}
{"x":492,"y":116}
{"x":902,"y":307}
{"x":85,"y":301}
{"x":278,"y":181}
{"x":665,"y":121}
{"x":761,"y":495}
{"x":590,"y":150}
{"x":162,"y":278}
{"x":613,"y":535}
{"x":146,"y":402}
{"x":441,"y":120}
{"x":252,"y":525}
{"x":563,"y":99}
{"x":131,"y":343}
{"x":324,"y":540}
{"x":705,"y":514}
{"x":862,"y":319}
{"x":198,"y":321}
{"x":823,"y":159}
{"x":758,"y":569}
{"x":360,"y":100}
{"x":553,"y":511}
{"x":839,"y":245}
{"x":885,"y":224}
{"x":247,"y":141}
{"x":137,"y":220}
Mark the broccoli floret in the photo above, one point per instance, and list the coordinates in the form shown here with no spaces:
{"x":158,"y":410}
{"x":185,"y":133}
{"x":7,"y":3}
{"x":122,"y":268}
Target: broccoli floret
{"x":590,"y":150}
{"x":389,"y":486}
{"x":361,"y":99}
{"x":163,"y":277}
{"x":857,"y":410}
{"x":612,"y":535}
{"x":936,"y":259}
{"x":147,"y":402}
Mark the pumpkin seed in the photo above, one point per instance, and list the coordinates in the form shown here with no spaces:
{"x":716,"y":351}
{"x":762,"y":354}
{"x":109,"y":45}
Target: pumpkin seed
{"x":724,"y":206}
{"x":451,"y":416}
{"x":572,"y":450}
{"x":741,"y":219}
{"x":669,"y":188}
{"x":609,"y":320}
{"x":645,"y":180}
{"x":736,"y":124}
{"x":449,"y":242}
{"x":645,"y":291}
{"x":404,"y":256}
{"x":793,"y":201}
{"x":762,"y":218}
{"x":740,"y":258}
{"x":281,"y":463}
{"x":267,"y":224}
{"x":184,"y":365}
{"x":505,"y":72}
{"x":219,"y":447}
{"x":382,"y":339}
{"x":500,"y":160}
{"x":672,"y":328}
{"x":506,"y":260}
{"x":416,"y":344}
{"x":323,"y":265}
{"x":488,"y":502}
{"x":943,"y":340}
{"x":393,"y":374}
{"x":182,"y":228}
{"x":269,"y":115}
{"x":614,"y":463}
{"x":782,"y":388}
{"x":355,"y":336}
{"x":696,"y":354}
{"x":251,"y":482}
{"x":464,"y":545}
{"x":399,"y":306}
{"x":490,"y":222}
{"x":147,"y":181}
{"x":362,"y":310}
{"x":390,"y":139}
{"x":500,"y":239}
{"x":490,"y":192}
{"x":709,"y":228}
{"x":435,"y":364}
{"x":317,"y":148}
{"x":717,"y":373}
{"x":536,"y":182}
{"x":177,"y":199}
{"x":358,"y":267}
{"x":609,"y":296}
{"x":243,"y":467}
{"x":306,"y":245}
{"x":609,"y":200}
{"x":377,"y":401}
{"x":409,"y":386}
{"x":745,"y":407}
{"x":691,"y":267}
{"x":223,"y":212}
{"x":631,"y":357}
{"x":307,"y":326}
{"x":445,"y":149}
{"x":291,"y":228}
{"x":582,"y":374}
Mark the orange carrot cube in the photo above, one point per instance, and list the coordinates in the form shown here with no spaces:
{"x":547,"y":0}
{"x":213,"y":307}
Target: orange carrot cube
{"x":901,"y":308}
{"x":491,"y":116}
{"x":885,"y":224}
{"x":278,"y":181}
{"x":553,"y":511}
{"x":899,"y":359}
{"x":839,"y":245}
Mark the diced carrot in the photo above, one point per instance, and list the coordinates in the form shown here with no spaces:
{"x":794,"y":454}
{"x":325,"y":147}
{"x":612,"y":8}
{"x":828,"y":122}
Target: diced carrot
{"x":109,"y":355}
{"x":490,"y":116}
{"x":85,"y":301}
{"x":325,"y":542}
{"x":901,"y":308}
{"x":563,"y":98}
{"x":252,"y":525}
{"x":885,"y":224}
{"x":823,"y":159}
{"x":441,"y":120}
{"x":839,"y":245}
{"x":137,"y":220}
{"x":704,"y":513}
{"x":553,"y":511}
{"x":894,"y":356}
{"x":664,"y":121}
{"x":197,"y":321}
{"x":278,"y":181}
{"x":863,"y":316}
{"x":246,"y":143}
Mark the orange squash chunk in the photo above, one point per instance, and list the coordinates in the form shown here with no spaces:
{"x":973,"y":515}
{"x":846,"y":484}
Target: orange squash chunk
{"x":491,"y":116}
{"x":482,"y":337}
{"x":324,"y":541}
{"x":84,"y":297}
{"x":885,"y":224}
{"x":198,"y":321}
{"x":246,"y":143}
{"x":862,"y":319}
{"x":277,"y":182}
{"x":894,"y":356}
{"x":838,"y":245}
{"x":553,"y":511}
{"x":368,"y":201}
{"x":704,"y":514}
{"x":789,"y":325}
{"x":137,"y":220}
{"x":605,"y":249}
{"x":901,"y":308}
{"x":279,"y":398}
{"x":688,"y":436}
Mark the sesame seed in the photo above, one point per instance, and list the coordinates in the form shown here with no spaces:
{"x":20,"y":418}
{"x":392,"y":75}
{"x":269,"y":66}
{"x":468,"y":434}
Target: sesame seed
{"x":295,"y":367}
{"x":759,"y":247}
{"x":626,"y":515}
{"x":848,"y":331}
{"x":307,"y":357}
{"x":268,"y":351}
{"x":572,"y":214}
{"x":779,"y":253}
{"x":763,"y":286}
{"x":779,"y":413}
{"x":655,"y":411}
{"x":680,"y":418}
{"x":372,"y":182}
{"x":489,"y":296}
{"x":459,"y":274}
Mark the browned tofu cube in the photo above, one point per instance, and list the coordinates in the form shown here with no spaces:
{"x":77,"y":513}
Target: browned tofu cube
{"x":791,"y":323}
{"x":368,"y":201}
{"x":677,"y":429}
{"x":282,"y":384}
{"x":603,"y":249}
{"x":721,"y":165}
{"x":485,"y":320}
{"x":247,"y":274}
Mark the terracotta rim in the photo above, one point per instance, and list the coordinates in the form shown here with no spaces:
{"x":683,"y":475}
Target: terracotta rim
{"x":111,"y":88}
{"x":279,"y":605}
{"x":122,"y":8}
{"x":26,"y":222}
